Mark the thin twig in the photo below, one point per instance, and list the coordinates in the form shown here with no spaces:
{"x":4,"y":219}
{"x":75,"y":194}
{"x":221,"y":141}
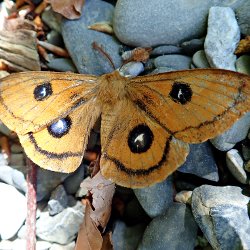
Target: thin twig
{"x":100,"y":49}
{"x":31,"y":206}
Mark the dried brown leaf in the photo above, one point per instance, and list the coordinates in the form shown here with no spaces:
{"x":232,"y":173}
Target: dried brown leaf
{"x":107,"y":242}
{"x":138,"y":55}
{"x":102,"y":191}
{"x":89,"y":237}
{"x":243,"y":46}
{"x":104,"y":27}
{"x":70,"y":9}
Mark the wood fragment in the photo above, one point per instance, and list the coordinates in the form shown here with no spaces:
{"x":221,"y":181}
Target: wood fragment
{"x":55,"y":49}
{"x":104,"y":27}
{"x":18,"y":50}
{"x":5,"y":146}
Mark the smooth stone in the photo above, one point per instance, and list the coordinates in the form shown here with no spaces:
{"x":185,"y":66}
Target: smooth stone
{"x":70,"y":246}
{"x":13,"y":177}
{"x":162,"y":70}
{"x":176,"y":227}
{"x":79,"y":40}
{"x":243,"y":64}
{"x":222,"y":215}
{"x":235,"y":134}
{"x":58,"y":201}
{"x":166,"y":50}
{"x":235,"y":165}
{"x":55,"y":38}
{"x":12,"y":211}
{"x":177,"y":62}
{"x":131,"y":69}
{"x":200,"y":60}
{"x":52,"y":19}
{"x":62,"y":64}
{"x":243,"y":18}
{"x":127,"y":238}
{"x":20,"y":244}
{"x":61,"y":228}
{"x":47,"y":181}
{"x":190,"y":47}
{"x":156,"y":199}
{"x":73,"y":181}
{"x":201,"y":162}
{"x":223,"y":35}
{"x":152,"y":23}
{"x":183,"y":197}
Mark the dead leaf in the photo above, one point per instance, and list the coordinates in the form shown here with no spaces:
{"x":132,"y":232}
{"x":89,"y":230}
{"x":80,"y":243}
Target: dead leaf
{"x":137,"y":55}
{"x":243,"y":46}
{"x":70,"y":9}
{"x":102,"y":191}
{"x":89,"y":237}
{"x":104,"y":27}
{"x":107,"y":242}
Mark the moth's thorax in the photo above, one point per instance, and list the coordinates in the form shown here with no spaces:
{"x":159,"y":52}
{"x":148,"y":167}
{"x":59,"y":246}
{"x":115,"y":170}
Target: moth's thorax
{"x":112,"y":88}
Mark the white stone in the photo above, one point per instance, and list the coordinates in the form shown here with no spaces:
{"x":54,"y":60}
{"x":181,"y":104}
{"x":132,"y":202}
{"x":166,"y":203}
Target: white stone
{"x":12,"y":211}
{"x":223,"y":35}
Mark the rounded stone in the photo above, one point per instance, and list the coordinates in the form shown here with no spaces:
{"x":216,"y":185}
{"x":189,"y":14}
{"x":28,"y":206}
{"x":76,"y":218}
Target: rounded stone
{"x":151,"y":23}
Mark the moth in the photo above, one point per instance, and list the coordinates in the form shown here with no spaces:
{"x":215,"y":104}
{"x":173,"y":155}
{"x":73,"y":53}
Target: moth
{"x":147,"y":122}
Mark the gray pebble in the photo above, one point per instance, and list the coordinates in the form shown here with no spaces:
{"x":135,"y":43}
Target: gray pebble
{"x":131,"y":69}
{"x":13,"y":211}
{"x":161,"y":70}
{"x":235,"y":134}
{"x":70,"y":246}
{"x":222,"y":215}
{"x":58,"y":201}
{"x":176,"y":229}
{"x":52,"y":19}
{"x":235,"y":165}
{"x":151,"y":23}
{"x":79,"y":40}
{"x":243,"y":17}
{"x":200,"y":60}
{"x":47,"y":181}
{"x":190,"y":47}
{"x":73,"y":181}
{"x":125,"y":237}
{"x":177,"y":62}
{"x":156,"y":199}
{"x":13,"y":177}
{"x":61,"y":228}
{"x":243,"y":64}
{"x":223,"y":35}
{"x":166,"y":50}
{"x":62,"y":64}
{"x":201,"y":162}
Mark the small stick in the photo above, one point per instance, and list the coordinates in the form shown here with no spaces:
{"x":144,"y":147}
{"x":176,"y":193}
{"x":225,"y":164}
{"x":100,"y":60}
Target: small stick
{"x":100,"y":49}
{"x":55,"y":49}
{"x":31,"y":205}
